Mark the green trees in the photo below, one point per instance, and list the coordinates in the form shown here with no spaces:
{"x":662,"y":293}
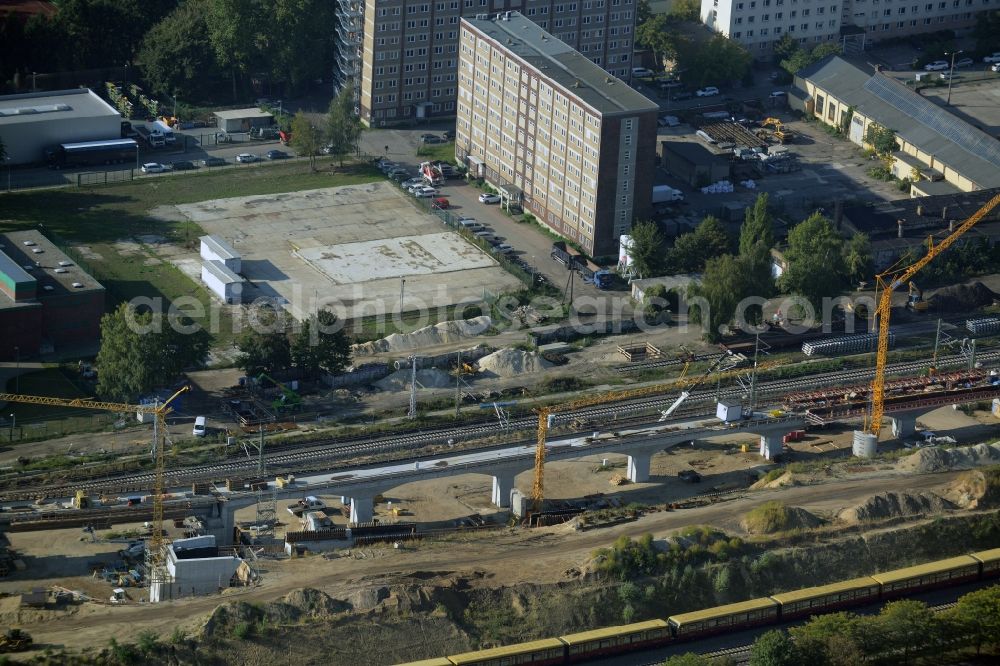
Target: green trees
{"x":978,"y":615}
{"x":692,"y":250}
{"x":176,"y":54}
{"x":140,"y":351}
{"x":756,"y":241}
{"x":274,"y":343}
{"x":774,"y":648}
{"x":343,"y":129}
{"x":688,"y":659}
{"x":858,"y":260}
{"x":722,"y":286}
{"x":716,"y":61}
{"x":306,"y":138}
{"x":647,"y":251}
{"x":906,"y":626}
{"x":795,"y":57}
{"x":882,"y":140}
{"x":656,"y":35}
{"x":815,"y":260}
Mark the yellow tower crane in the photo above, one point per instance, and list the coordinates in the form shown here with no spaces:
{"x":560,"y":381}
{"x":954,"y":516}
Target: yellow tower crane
{"x":544,"y":414}
{"x":155,"y":558}
{"x":889,"y":281}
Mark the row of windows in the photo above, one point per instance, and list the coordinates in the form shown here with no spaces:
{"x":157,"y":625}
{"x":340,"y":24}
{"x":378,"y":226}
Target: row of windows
{"x":763,"y":32}
{"x":927,"y":21}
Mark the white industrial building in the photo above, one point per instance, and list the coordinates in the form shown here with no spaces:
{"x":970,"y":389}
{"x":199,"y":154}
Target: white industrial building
{"x":223,"y":282}
{"x":32,"y":122}
{"x":243,"y":120}
{"x":195,"y":568}
{"x":214,"y":248}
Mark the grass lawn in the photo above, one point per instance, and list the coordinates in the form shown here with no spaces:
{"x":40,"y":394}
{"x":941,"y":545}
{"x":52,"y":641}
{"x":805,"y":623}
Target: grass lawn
{"x":95,"y":219}
{"x":438,"y":152}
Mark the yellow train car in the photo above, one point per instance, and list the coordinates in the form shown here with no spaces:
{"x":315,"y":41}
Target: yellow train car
{"x":989,"y":561}
{"x":723,"y":618}
{"x":436,"y":661}
{"x":952,"y":571}
{"x":586,"y":645}
{"x":827,"y":598}
{"x":536,"y":653}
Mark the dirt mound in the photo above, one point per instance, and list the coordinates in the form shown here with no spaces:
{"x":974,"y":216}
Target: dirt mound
{"x":314,"y":603}
{"x":895,"y":505}
{"x":977,"y":489}
{"x":933,"y":459}
{"x":786,"y":479}
{"x":428,"y":378}
{"x":512,"y":362}
{"x":773,"y":517}
{"x":962,"y":297}
{"x":428,"y":336}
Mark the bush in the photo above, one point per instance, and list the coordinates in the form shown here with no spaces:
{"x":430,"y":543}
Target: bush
{"x":241,"y":630}
{"x":769,"y":517}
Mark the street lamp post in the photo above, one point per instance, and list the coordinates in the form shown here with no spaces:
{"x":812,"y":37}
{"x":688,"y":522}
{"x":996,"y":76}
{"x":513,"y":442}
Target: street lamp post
{"x":8,"y":160}
{"x":402,"y":286}
{"x":12,"y":423}
{"x":33,"y":86}
{"x":951,"y":73}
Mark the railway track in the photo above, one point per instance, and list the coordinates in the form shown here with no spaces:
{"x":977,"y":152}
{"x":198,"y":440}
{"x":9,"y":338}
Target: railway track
{"x":317,"y":456}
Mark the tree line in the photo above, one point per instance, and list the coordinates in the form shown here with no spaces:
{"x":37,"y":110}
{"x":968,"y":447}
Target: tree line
{"x":194,"y":49}
{"x":902,"y":632}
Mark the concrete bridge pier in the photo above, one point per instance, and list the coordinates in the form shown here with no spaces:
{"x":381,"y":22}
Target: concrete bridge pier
{"x":503,"y":484}
{"x":362,"y":510}
{"x":904,"y":424}
{"x":771,"y":445}
{"x":638,"y":466}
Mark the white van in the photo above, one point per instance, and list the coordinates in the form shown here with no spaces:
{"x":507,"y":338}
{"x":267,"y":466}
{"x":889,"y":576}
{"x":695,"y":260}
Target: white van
{"x":471,"y":225}
{"x":199,"y":427}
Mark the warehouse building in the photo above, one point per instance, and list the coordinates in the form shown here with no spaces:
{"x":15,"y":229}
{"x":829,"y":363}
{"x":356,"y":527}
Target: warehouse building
{"x":47,"y":302}
{"x":222,"y":281}
{"x":553,"y":132}
{"x":934,"y":145}
{"x":214,"y":248}
{"x":32,"y":122}
{"x":692,"y":162}
{"x":243,"y":120}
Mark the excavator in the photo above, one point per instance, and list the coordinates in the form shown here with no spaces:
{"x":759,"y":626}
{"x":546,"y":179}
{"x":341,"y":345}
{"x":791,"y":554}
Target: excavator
{"x":15,"y":640}
{"x":915,"y":301}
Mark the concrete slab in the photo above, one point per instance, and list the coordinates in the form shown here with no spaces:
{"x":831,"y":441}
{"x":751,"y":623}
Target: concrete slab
{"x":350,"y":247}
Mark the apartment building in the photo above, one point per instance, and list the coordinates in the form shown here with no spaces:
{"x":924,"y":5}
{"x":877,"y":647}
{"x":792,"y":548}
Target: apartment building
{"x":881,"y":19}
{"x":553,"y":131}
{"x":758,"y":24}
{"x":409,"y":57}
{"x":348,"y":44}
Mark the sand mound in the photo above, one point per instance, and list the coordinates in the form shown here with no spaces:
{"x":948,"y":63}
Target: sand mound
{"x":428,"y":336}
{"x":933,"y":459}
{"x":429,"y":378}
{"x":895,"y":505}
{"x":977,"y":489}
{"x":962,"y":297}
{"x":786,"y":479}
{"x":512,"y":362}
{"x":773,"y":517}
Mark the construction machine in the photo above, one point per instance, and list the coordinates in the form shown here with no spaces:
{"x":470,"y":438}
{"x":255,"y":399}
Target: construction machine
{"x":15,"y":640}
{"x":915,"y":301}
{"x":784,"y":135}
{"x":887,"y":282}
{"x":773,"y":123}
{"x":288,"y":399}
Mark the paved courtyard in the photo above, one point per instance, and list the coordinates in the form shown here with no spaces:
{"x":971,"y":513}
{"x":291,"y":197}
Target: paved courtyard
{"x":354,"y":248}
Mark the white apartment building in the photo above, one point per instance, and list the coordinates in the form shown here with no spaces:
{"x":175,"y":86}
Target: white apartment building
{"x":757,"y":24}
{"x":881,"y":19}
{"x":545,"y":125}
{"x":409,"y":51}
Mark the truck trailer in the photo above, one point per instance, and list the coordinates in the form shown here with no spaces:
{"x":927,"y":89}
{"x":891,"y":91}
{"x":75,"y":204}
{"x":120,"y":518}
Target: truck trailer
{"x":88,"y":153}
{"x":666,"y":194}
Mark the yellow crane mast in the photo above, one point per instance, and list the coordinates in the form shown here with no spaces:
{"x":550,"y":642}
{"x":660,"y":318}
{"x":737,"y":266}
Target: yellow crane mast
{"x":155,"y":557}
{"x":538,"y":486}
{"x":889,"y":281}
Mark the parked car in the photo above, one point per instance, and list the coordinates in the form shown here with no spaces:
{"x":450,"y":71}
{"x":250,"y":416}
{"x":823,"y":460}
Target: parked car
{"x":669,"y":85}
{"x":441,"y":202}
{"x":641,"y":72}
{"x":153,"y":167}
{"x":276,"y":155}
{"x":431,"y":138}
{"x":425,"y":193}
{"x":487,"y":198}
{"x":214,"y":162}
{"x":668,"y":121}
{"x":707,"y":91}
{"x":411,"y":182}
{"x":502,"y":248}
{"x":995,"y":67}
{"x":965,"y":62}
{"x":681,"y":95}
{"x":778,"y":94}
{"x":994,"y":57}
{"x":183,"y":165}
{"x":450,"y":135}
{"x":936,"y":66}
{"x":246,"y":158}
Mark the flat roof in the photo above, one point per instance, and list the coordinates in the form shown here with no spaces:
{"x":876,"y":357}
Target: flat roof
{"x":606,"y":632}
{"x":53,"y":105}
{"x":824,"y":590}
{"x":239,"y":114}
{"x":924,"y":569}
{"x":563,"y":65}
{"x":220,"y":247}
{"x":10,"y":269}
{"x":694,"y":152}
{"x":934,"y":188}
{"x":763,"y":603}
{"x":922,"y":216}
{"x":222,"y":272}
{"x":505,"y":651}
{"x":44,"y":266}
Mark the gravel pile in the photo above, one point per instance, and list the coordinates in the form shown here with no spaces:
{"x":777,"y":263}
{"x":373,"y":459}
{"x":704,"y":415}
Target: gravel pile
{"x":933,"y":459}
{"x":512,"y":362}
{"x":428,"y":336}
{"x":962,"y":297}
{"x":895,"y":505}
{"x":428,"y":378}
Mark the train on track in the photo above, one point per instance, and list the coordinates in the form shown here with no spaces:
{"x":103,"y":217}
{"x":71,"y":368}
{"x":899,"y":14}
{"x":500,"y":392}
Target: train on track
{"x":583,"y":646}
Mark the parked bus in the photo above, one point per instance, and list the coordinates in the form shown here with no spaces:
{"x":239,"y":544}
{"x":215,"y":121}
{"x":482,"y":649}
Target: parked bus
{"x":112,"y":151}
